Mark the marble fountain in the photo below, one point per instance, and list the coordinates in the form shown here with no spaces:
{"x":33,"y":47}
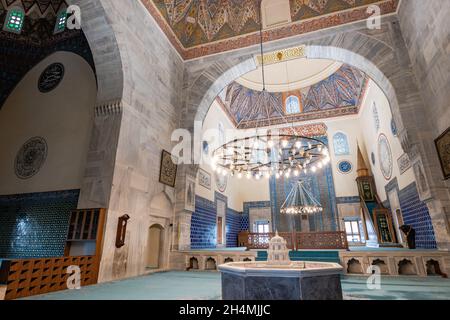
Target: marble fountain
{"x":281,"y":279}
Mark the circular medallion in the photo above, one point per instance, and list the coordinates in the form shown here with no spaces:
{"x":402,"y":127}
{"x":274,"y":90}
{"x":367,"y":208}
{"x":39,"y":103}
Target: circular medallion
{"x":385,"y":156}
{"x":345,"y":167}
{"x":372,"y":156}
{"x":394,"y":128}
{"x":221,"y":182}
{"x":51,"y":77}
{"x":30,"y":157}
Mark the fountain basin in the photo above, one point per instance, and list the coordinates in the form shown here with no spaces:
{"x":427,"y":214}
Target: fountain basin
{"x":295,"y":281}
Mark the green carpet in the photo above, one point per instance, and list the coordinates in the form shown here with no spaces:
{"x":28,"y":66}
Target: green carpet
{"x":176,"y":285}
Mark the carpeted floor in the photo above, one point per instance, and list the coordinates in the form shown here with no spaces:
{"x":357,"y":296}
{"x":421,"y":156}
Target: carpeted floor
{"x":207,"y":286}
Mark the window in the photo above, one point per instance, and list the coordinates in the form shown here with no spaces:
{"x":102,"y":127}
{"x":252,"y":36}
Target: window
{"x":261,"y":226}
{"x":61,"y":20}
{"x":376,"y":117}
{"x":352,"y":230}
{"x":14,"y":20}
{"x":340,"y":143}
{"x":292,"y":105}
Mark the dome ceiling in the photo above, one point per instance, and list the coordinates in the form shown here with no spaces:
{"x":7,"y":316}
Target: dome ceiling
{"x":202,"y":27}
{"x":338,"y":95}
{"x":290,"y":75}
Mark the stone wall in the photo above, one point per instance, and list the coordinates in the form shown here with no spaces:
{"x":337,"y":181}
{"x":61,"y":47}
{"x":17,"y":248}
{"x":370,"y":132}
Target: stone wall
{"x":145,"y":117}
{"x":425,"y":27}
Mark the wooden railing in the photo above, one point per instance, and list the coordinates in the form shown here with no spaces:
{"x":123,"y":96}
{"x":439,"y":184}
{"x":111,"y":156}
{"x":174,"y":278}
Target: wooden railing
{"x":296,"y":240}
{"x":28,"y":277}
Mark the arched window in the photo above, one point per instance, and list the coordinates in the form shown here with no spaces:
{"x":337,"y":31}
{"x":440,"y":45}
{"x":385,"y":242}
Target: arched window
{"x":376,"y":117}
{"x":340,"y":143}
{"x":14,"y":20}
{"x":292,"y":105}
{"x":61,"y":20}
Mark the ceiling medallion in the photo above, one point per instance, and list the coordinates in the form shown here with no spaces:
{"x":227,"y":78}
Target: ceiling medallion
{"x":269,"y":154}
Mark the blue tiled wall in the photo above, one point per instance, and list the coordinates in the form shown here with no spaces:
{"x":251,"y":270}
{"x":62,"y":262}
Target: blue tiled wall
{"x":233,"y":220}
{"x":203,"y":224}
{"x":244,"y":223}
{"x":415,"y":214}
{"x":35,"y":225}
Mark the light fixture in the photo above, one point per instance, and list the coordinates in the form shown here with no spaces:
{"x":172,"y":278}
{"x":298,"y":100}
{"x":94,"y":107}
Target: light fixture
{"x":300,"y":201}
{"x":269,"y":153}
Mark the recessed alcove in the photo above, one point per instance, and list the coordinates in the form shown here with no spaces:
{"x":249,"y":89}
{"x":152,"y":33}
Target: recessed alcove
{"x":382,"y":265}
{"x":433,"y":268}
{"x":228,"y":260}
{"x":406,"y":268}
{"x":193,"y":264}
{"x":354,"y":266}
{"x":210,"y":264}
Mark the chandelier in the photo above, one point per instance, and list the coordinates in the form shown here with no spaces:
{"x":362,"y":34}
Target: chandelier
{"x":266,"y":154}
{"x":300,"y":201}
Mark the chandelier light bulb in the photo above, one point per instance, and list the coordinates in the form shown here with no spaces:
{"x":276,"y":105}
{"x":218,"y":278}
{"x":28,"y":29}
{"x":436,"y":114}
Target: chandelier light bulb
{"x":298,"y":144}
{"x":320,"y":165}
{"x":305,"y":171}
{"x":239,"y":175}
{"x":296,"y":173}
{"x":249,"y":175}
{"x":270,"y":143}
{"x":267,"y":175}
{"x":313,"y":169}
{"x":284,"y":143}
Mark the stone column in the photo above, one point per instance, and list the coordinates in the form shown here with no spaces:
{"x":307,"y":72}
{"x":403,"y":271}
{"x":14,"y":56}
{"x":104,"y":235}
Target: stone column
{"x":97,"y":182}
{"x":182,"y":220}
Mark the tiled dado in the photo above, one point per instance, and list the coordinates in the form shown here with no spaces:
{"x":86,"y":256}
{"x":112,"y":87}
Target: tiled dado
{"x":415,"y":213}
{"x":204,"y":224}
{"x":35,"y":225}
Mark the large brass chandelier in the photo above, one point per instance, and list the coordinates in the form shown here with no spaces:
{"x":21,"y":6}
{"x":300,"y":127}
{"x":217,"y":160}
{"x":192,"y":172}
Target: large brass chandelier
{"x":270,"y":153}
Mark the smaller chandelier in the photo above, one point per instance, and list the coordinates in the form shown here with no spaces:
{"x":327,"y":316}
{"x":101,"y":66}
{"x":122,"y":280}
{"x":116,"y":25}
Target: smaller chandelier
{"x":300,"y":201}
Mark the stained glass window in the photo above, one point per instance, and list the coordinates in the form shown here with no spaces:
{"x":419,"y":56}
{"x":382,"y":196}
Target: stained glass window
{"x":61,"y":20}
{"x":292,"y":105}
{"x":340,"y":143}
{"x":14,"y":20}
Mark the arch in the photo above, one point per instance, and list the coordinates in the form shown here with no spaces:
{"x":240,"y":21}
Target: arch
{"x":193,"y":263}
{"x":340,"y":144}
{"x":292,"y":104}
{"x":381,"y":56}
{"x":161,"y":205}
{"x":155,"y":246}
{"x":407,"y":268}
{"x":210,"y":264}
{"x":354,"y":266}
{"x":105,"y":50}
